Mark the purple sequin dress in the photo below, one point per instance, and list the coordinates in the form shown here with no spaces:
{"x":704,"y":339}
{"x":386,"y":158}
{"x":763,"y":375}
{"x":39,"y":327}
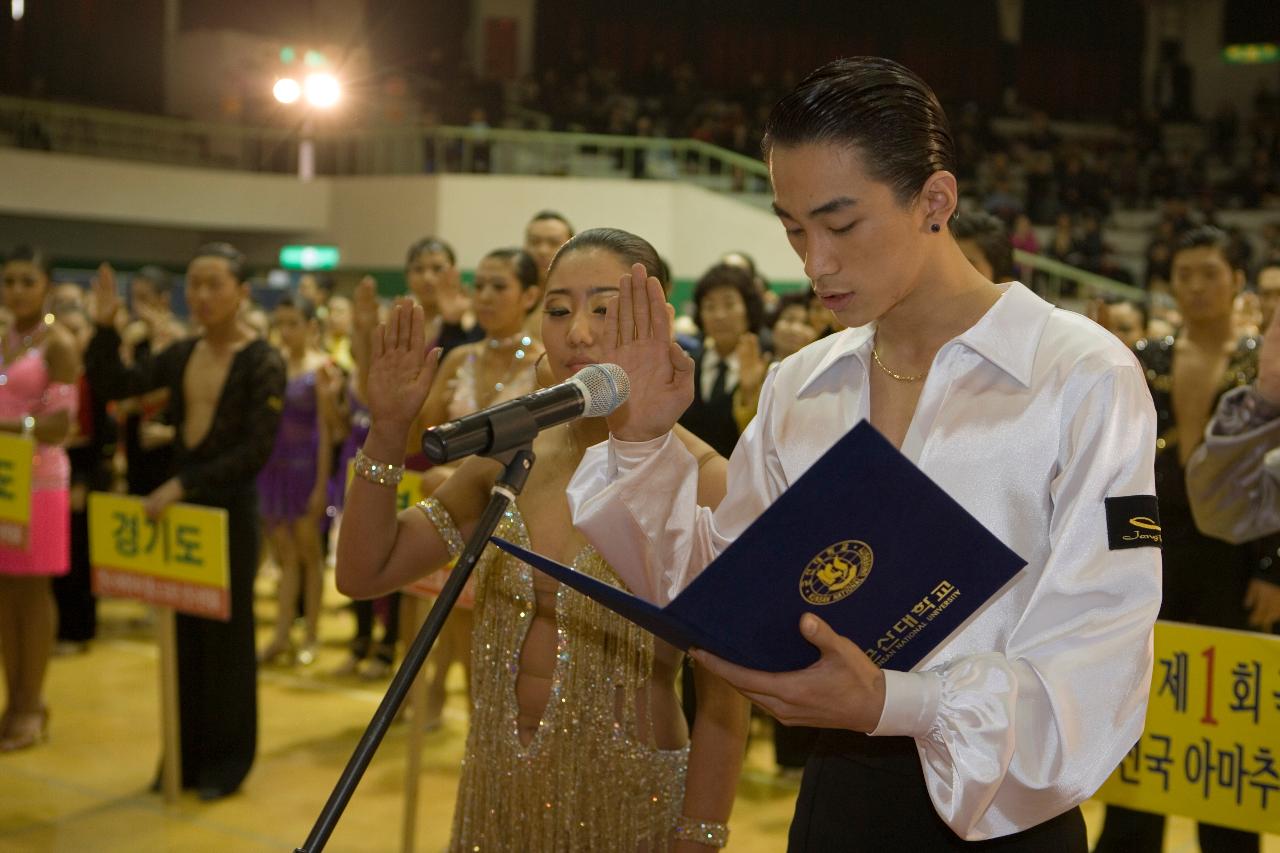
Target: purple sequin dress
{"x":285,"y":483}
{"x":355,"y":440}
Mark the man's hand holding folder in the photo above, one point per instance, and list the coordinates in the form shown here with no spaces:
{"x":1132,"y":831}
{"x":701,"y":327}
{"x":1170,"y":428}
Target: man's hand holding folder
{"x":843,"y":690}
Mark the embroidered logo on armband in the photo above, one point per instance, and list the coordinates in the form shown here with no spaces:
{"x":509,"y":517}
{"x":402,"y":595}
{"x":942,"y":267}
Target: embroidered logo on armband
{"x":1133,"y":521}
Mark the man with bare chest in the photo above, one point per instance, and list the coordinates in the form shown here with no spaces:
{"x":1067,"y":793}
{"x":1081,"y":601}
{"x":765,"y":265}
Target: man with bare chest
{"x":225,"y":387}
{"x":1206,"y":581}
{"x":202,"y":384}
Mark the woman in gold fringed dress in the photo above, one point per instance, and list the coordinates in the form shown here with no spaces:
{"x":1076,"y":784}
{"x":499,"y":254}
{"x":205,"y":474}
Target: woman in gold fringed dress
{"x":577,"y":741}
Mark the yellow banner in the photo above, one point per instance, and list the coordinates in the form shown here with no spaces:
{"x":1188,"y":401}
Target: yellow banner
{"x":16,"y":452}
{"x":179,"y":561}
{"x":1211,"y":746}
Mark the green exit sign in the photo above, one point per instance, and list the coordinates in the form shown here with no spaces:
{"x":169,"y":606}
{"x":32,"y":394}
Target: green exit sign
{"x":309,"y":257}
{"x":1251,"y":54}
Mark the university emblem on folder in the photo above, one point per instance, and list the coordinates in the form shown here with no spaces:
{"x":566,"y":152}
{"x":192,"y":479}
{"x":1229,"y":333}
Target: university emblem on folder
{"x":836,"y":572}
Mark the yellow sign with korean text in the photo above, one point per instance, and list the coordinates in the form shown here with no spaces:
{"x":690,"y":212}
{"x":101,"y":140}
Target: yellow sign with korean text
{"x":179,"y":561}
{"x":1211,"y":746}
{"x":16,"y":453}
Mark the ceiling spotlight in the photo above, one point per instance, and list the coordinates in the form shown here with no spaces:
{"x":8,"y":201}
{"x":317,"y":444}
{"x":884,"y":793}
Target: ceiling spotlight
{"x":322,"y":90}
{"x":286,"y":90}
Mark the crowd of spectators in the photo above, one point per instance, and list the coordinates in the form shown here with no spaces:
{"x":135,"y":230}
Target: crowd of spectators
{"x":1037,"y":169}
{"x":1055,"y":187}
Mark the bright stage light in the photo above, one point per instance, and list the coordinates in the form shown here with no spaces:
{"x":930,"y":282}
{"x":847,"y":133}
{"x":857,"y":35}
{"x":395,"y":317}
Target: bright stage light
{"x":286,"y":90}
{"x":17,"y":8}
{"x":322,"y":90}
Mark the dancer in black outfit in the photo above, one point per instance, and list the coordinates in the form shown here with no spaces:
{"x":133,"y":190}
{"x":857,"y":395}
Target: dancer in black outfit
{"x":225,"y":390}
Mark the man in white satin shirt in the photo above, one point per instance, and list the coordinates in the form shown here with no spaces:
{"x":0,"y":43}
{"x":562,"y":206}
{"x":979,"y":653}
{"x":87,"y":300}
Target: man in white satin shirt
{"x":1034,"y":419}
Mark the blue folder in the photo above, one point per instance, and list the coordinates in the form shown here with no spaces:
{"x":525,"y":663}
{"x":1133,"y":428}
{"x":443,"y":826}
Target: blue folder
{"x":863,"y":539}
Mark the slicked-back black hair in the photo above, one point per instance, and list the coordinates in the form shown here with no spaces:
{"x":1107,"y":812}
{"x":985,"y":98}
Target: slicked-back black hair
{"x":628,"y":248}
{"x":34,"y":255}
{"x":160,"y":279}
{"x":524,"y":267}
{"x":543,"y":215}
{"x":430,"y":244}
{"x":229,"y":253}
{"x":1215,"y":238}
{"x":877,"y":106}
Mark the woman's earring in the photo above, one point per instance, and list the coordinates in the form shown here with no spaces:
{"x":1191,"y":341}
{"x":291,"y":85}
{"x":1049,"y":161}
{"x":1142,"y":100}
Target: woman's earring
{"x":542,"y":372}
{"x":935,"y":228}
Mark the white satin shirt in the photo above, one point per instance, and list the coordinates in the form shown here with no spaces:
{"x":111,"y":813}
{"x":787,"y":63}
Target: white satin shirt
{"x":1233,"y":478}
{"x":1030,"y":419}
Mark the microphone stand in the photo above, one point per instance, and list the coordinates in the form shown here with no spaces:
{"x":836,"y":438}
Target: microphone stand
{"x":514,"y":428}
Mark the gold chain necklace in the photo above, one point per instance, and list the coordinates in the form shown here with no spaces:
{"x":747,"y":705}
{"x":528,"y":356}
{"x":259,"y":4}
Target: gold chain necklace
{"x":875,"y":353}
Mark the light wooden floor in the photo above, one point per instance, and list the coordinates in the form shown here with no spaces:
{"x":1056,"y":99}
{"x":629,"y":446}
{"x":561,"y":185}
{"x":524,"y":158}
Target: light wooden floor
{"x":86,"y":789}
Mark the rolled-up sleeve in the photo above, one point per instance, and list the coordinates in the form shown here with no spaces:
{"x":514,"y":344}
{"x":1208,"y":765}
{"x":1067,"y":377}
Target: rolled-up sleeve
{"x":1012,"y":738}
{"x":1233,"y":478}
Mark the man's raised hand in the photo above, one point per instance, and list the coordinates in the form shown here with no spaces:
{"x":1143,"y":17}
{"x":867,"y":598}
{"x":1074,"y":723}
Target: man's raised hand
{"x":638,"y":338}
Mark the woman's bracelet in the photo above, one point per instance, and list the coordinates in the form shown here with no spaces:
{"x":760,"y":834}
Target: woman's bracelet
{"x":380,"y":473}
{"x":701,"y":831}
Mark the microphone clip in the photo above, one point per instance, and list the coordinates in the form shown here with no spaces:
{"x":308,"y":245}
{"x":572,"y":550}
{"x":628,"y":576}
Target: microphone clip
{"x":512,"y":428}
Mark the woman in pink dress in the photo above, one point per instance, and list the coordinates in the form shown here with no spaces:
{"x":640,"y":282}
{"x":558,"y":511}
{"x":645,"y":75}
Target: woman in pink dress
{"x":39,"y":365}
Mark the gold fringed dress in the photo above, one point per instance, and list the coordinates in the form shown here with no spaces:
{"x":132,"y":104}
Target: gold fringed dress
{"x":592,"y":778}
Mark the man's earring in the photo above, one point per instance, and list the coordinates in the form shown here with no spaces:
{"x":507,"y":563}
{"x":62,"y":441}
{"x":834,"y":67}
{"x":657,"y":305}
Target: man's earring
{"x":935,"y":228}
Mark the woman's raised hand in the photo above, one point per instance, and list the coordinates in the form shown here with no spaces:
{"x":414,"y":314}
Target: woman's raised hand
{"x":752,"y":365}
{"x":106,"y":301}
{"x":451,"y":299}
{"x":364,"y":308}
{"x":638,"y":338}
{"x":401,"y":369}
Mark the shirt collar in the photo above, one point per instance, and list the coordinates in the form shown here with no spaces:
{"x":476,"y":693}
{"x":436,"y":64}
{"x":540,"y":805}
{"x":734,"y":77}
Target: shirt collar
{"x":711,"y":356}
{"x":1008,"y":336}
{"x":854,"y":342}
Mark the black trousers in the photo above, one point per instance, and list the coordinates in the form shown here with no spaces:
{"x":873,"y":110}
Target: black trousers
{"x":792,"y":745}
{"x":77,"y":608}
{"x":218,"y":669}
{"x":362,"y":643}
{"x":868,"y":794}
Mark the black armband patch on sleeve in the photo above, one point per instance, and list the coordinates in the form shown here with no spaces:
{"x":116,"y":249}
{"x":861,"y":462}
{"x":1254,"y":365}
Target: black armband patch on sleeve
{"x":1133,"y":521}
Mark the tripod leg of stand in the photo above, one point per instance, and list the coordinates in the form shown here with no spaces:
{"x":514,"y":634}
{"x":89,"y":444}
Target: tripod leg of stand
{"x":518,"y":464}
{"x":413,"y":747}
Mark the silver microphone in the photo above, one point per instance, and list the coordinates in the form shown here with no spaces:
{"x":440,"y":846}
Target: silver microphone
{"x":593,"y":392}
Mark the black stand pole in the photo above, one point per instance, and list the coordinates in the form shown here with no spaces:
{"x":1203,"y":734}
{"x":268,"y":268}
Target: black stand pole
{"x":519,"y":462}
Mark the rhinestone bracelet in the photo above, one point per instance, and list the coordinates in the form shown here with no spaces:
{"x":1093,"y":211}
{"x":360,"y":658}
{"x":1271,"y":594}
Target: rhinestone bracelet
{"x":701,"y":832}
{"x":380,"y":473}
